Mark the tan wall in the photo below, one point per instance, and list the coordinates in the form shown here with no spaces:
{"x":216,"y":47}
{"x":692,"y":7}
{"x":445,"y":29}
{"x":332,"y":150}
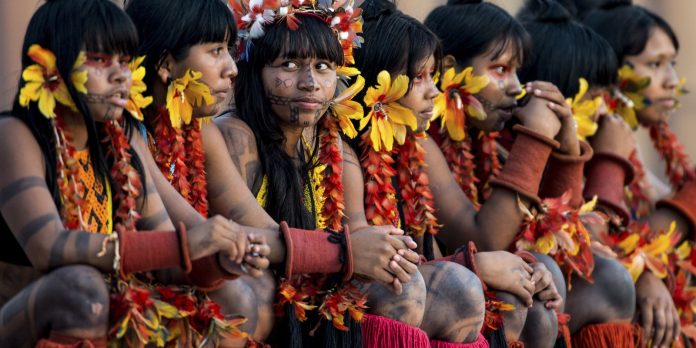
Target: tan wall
{"x":15,"y":14}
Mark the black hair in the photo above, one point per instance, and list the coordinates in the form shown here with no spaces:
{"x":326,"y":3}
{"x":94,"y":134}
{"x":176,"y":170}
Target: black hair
{"x":627,"y":27}
{"x":312,"y":39}
{"x":564,"y":50}
{"x":66,"y":27}
{"x":394,"y":42}
{"x":470,"y":28}
{"x":174,"y":26}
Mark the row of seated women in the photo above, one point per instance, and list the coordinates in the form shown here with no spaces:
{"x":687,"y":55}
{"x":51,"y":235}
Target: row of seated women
{"x":300,"y":173}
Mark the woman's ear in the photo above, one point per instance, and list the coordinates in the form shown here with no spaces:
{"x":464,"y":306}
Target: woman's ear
{"x":164,"y":68}
{"x":449,"y":61}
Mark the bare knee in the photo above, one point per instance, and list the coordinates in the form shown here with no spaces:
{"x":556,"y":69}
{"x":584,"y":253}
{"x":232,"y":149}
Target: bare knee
{"x":78,"y":298}
{"x":611,"y":297}
{"x":455,"y":307}
{"x":237,"y":299}
{"x":541,"y":327}
{"x":408,"y":307}
{"x":514,"y":320}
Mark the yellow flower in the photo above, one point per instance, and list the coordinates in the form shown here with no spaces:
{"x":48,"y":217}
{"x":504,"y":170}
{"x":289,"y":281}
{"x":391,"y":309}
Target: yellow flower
{"x":347,"y":109}
{"x":584,"y":111}
{"x":43,"y":83}
{"x":347,"y":71}
{"x":388,"y":119}
{"x":136,"y":100}
{"x":184,"y":94}
{"x":630,"y":97}
{"x":458,"y":101}
{"x":79,"y":78}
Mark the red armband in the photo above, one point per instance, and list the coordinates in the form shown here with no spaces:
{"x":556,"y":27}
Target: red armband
{"x":683,"y":202}
{"x":607,"y":175}
{"x":525,"y":165}
{"x":317,"y":251}
{"x":143,"y":251}
{"x":565,"y":172}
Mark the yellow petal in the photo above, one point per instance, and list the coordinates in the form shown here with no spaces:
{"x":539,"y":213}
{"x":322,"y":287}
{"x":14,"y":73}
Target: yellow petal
{"x":439,"y":105}
{"x":475,"y":84}
{"x":374,"y":135}
{"x":347,"y":127}
{"x":79,"y":78}
{"x":581,"y":90}
{"x":351,"y":91}
{"x":33,"y":73}
{"x":545,"y":244}
{"x":30,"y":92}
{"x":455,"y":125}
{"x":401,"y":115}
{"x":365,"y":120}
{"x":63,"y":96}
{"x":399,"y":133}
{"x":44,"y":57}
{"x":398,"y":89}
{"x":186,"y":113}
{"x":636,"y":267}
{"x":47,"y":103}
{"x":347,"y":71}
{"x":589,"y":206}
{"x":386,"y":133}
{"x":447,"y":78}
{"x":630,"y":243}
{"x":350,"y":109}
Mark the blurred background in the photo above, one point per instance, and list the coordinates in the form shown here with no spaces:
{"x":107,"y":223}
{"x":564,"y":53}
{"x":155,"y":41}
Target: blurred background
{"x":15,"y":14}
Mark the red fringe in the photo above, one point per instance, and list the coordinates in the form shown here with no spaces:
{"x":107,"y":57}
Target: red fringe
{"x":563,"y":329}
{"x":624,"y":335}
{"x":59,"y":340}
{"x":479,"y":343}
{"x":379,"y":332}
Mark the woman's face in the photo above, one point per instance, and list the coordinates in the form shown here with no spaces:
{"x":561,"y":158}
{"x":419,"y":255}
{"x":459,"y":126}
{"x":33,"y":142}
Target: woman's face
{"x":299,"y":90}
{"x":657,"y":61}
{"x":420,"y":98}
{"x":215,"y":62}
{"x":498,"y":98}
{"x":108,"y":84}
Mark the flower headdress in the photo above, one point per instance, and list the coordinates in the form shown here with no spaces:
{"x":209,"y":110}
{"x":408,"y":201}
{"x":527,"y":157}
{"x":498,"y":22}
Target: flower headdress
{"x":339,"y":15}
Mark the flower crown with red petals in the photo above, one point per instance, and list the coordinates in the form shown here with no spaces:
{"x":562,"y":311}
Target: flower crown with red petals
{"x":339,"y":15}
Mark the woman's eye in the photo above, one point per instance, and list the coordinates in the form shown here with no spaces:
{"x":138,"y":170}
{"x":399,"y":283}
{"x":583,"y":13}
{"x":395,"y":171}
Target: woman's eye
{"x":290,"y":65}
{"x":500,"y":70}
{"x":323,"y":66}
{"x":125,"y":60}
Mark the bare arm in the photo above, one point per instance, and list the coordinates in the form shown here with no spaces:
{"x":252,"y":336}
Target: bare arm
{"x":493,"y":227}
{"x":33,"y":218}
{"x":229,"y":192}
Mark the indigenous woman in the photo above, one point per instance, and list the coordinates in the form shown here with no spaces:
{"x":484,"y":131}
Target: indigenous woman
{"x":646,"y":48}
{"x":286,"y":143}
{"x":601,"y":300}
{"x":188,"y":71}
{"x":73,"y":199}
{"x":399,"y":59}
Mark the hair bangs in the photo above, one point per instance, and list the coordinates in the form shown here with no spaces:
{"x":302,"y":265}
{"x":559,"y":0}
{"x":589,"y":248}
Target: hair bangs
{"x":513,"y":38}
{"x":215,"y":24}
{"x":109,"y":30}
{"x":312,"y":39}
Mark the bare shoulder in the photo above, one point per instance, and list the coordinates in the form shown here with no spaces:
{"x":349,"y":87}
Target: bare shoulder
{"x":241,"y":146}
{"x":17,"y":143}
{"x":234,"y":130}
{"x":349,"y":155}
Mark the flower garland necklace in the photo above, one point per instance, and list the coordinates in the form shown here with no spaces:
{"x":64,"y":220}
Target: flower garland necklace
{"x":178,"y":133}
